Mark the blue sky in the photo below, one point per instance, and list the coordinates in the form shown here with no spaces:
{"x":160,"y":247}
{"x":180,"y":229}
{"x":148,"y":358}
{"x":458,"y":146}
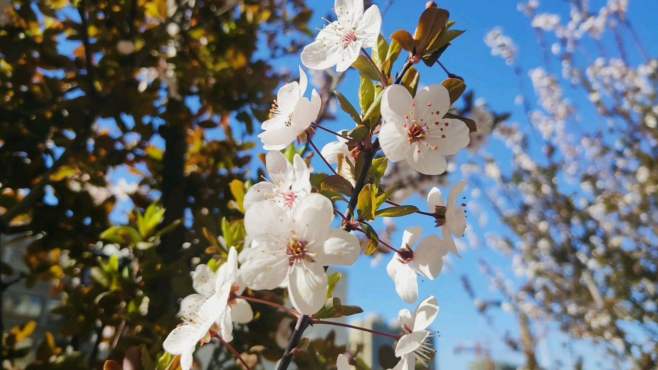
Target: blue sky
{"x":370,"y":287}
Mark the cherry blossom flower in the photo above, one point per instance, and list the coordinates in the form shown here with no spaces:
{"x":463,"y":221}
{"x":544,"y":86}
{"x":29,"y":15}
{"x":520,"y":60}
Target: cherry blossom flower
{"x":340,"y":42}
{"x":294,"y":247}
{"x":337,"y":152}
{"x":414,"y":344}
{"x":452,"y":217}
{"x":426,"y":260}
{"x":416,"y":129}
{"x":291,"y":114}
{"x":343,"y":363}
{"x":289,"y":182}
{"x":212,"y":308}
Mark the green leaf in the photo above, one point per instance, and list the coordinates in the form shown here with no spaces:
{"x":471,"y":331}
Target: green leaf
{"x":379,"y":53}
{"x":360,"y":132}
{"x":410,"y":80}
{"x":378,"y":168}
{"x":373,"y":113}
{"x":391,"y":56}
{"x":233,"y":232}
{"x":348,"y":107}
{"x":332,"y":280}
{"x":364,"y":203}
{"x":337,"y":184}
{"x":290,"y":152}
{"x":148,"y":222}
{"x":366,"y":94}
{"x":124,"y":235}
{"x":397,"y":211}
{"x":456,"y":88}
{"x":366,"y":68}
{"x":334,"y":308}
{"x":238,"y":192}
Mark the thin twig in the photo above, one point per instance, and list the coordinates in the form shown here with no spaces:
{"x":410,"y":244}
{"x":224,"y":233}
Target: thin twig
{"x":302,"y":323}
{"x":323,"y":158}
{"x":335,"y":323}
{"x":280,"y":307}
{"x":234,"y":352}
{"x":317,"y":125}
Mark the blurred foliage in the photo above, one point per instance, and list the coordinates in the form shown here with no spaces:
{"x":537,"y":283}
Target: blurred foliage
{"x":163,"y":91}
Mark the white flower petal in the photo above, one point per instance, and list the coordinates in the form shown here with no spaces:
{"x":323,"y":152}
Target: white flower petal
{"x":404,"y":278}
{"x":277,"y":138}
{"x":334,"y":150}
{"x":432,"y":103}
{"x":396,"y":103}
{"x":434,"y":199}
{"x":263,"y":268}
{"x":312,"y":218}
{"x":393,"y":141}
{"x":265,"y":220}
{"x":429,"y":257}
{"x":410,"y":342}
{"x":182,"y":339}
{"x":450,"y":243}
{"x":410,"y":235}
{"x":302,"y":175}
{"x":278,"y":167}
{"x":455,"y":218}
{"x":426,"y":314}
{"x":227,"y":274}
{"x":307,"y":287}
{"x":187,"y":360}
{"x":320,"y":54}
{"x":261,"y":191}
{"x":241,"y":311}
{"x":191,"y":304}
{"x":348,"y":11}
{"x":226,"y":327}
{"x":426,"y":160}
{"x":407,"y":362}
{"x":287,"y":97}
{"x":406,"y":319}
{"x":369,"y":26}
{"x":348,"y":56}
{"x":203,"y":280}
{"x":449,"y":136}
{"x":341,"y":248}
{"x":305,"y":113}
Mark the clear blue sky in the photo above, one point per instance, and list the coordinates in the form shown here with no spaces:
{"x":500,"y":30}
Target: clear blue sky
{"x":370,"y":287}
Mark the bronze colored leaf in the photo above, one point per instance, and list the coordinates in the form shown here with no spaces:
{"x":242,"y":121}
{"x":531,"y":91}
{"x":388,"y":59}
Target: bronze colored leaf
{"x":430,"y":25}
{"x":405,"y":40}
{"x":456,"y":88}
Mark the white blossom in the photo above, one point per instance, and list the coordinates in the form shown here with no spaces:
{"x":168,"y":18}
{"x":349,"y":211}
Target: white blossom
{"x":343,"y":363}
{"x":341,"y":41}
{"x":289,"y":183}
{"x":291,"y":114}
{"x":337,"y":152}
{"x":293,"y":248}
{"x":211,"y":306}
{"x":414,"y":344}
{"x":416,"y":129}
{"x":455,"y":218}
{"x":426,"y":260}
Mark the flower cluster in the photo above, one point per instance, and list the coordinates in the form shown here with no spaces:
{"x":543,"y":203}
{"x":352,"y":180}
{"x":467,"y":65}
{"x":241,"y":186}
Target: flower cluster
{"x":292,"y":234}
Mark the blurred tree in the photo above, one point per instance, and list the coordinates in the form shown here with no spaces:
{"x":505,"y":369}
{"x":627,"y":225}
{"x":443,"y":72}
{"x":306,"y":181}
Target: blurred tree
{"x":163,"y":90}
{"x":579,"y":200}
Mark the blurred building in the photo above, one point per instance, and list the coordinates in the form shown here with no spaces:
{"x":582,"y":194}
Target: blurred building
{"x":378,"y":351}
